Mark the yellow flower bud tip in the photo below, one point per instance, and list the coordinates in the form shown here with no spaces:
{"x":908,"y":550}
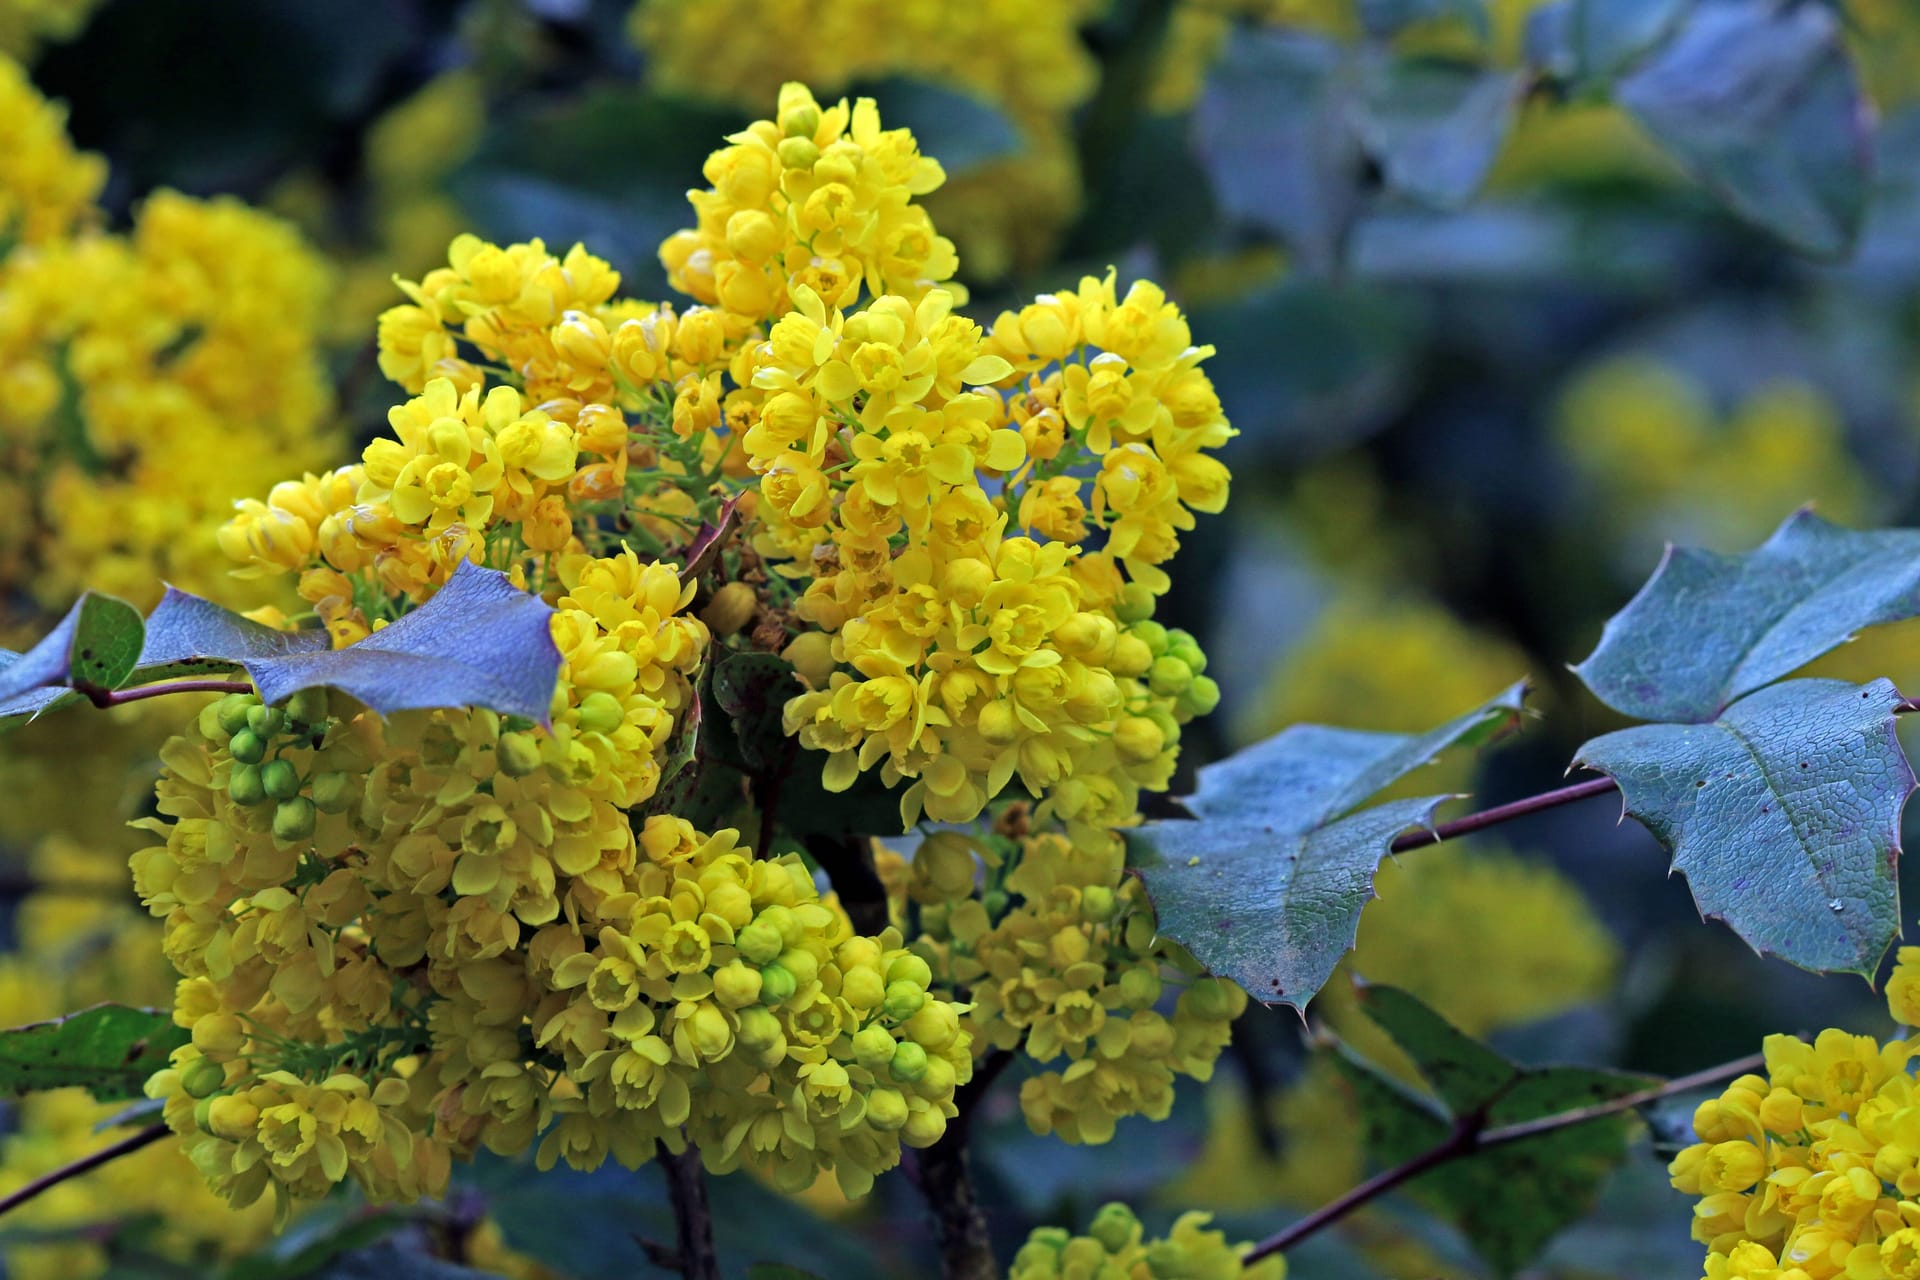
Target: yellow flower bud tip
{"x":244,"y":785}
{"x":265,"y":721}
{"x":231,"y":712}
{"x":279,"y":779}
{"x":798,"y":153}
{"x":910,"y":969}
{"x":760,"y":943}
{"x":731,"y":609}
{"x":517,"y":754}
{"x":248,"y":747}
{"x":334,"y":792}
{"x":873,"y":1048}
{"x":776,"y":984}
{"x":904,"y":999}
{"x":736,"y":985}
{"x":909,"y":1063}
{"x":293,"y":820}
{"x":601,"y":713}
{"x":887,"y":1110}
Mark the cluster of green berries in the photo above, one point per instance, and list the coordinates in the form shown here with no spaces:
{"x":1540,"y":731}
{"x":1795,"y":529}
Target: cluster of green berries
{"x":1115,"y":1248}
{"x":256,"y":735}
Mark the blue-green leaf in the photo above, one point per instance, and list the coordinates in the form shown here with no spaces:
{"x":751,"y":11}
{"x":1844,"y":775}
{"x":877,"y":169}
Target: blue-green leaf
{"x":1386,"y":18}
{"x":1509,"y":1200}
{"x":1435,"y":127}
{"x":1760,"y":100}
{"x":1608,"y":35}
{"x":1708,"y":628}
{"x":94,"y":647}
{"x":1783,"y":814}
{"x":1265,"y":883}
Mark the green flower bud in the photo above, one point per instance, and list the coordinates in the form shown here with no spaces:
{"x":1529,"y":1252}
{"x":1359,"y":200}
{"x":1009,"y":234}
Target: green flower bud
{"x":798,"y":153}
{"x":804,"y":967}
{"x":1188,"y":650}
{"x":1167,"y":1260}
{"x":334,"y":792}
{"x":1169,"y":676}
{"x":1135,"y":603}
{"x":801,"y":122}
{"x":783,"y":922}
{"x":995,"y":902}
{"x":248,"y":747}
{"x":231,"y":712}
{"x":1115,"y":1227}
{"x":244,"y":786}
{"x":934,"y":1026}
{"x":759,"y":943}
{"x":759,"y":1027}
{"x":1151,"y":634}
{"x":1207,"y":999}
{"x":874,"y":1048}
{"x":1201,"y":697}
{"x":308,"y":707}
{"x":265,"y":721}
{"x":1140,"y":988}
{"x":909,"y":1063}
{"x":887,"y":1110}
{"x":909,"y":968}
{"x":601,"y":712}
{"x":280,"y":779}
{"x":735,"y":985}
{"x":203,"y":1078}
{"x":776,"y":984}
{"x":518,"y":754}
{"x":904,"y":1000}
{"x":1140,"y":933}
{"x":203,"y":1115}
{"x":1096,"y":904}
{"x":293,"y":820}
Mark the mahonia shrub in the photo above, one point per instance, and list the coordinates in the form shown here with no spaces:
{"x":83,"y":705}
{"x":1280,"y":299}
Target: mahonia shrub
{"x":405,"y":939}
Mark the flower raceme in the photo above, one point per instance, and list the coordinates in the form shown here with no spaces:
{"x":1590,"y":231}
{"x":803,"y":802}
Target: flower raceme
{"x":404,"y":940}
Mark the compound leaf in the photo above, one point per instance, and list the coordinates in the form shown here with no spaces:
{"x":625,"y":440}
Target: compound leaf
{"x":1265,"y":883}
{"x":108,"y":1050}
{"x":1783,"y":814}
{"x":1707,"y":628}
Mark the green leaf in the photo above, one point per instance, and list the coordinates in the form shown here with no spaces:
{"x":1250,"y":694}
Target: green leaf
{"x":1435,"y":127}
{"x":1783,"y":814}
{"x":95,"y":646}
{"x":26,"y":705}
{"x":108,"y":1050}
{"x":1265,"y":883}
{"x":1509,"y":1200}
{"x":1760,"y":100}
{"x":1707,"y":628}
{"x":1385,"y":18}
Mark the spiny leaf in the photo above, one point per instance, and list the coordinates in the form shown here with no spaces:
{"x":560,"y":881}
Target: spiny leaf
{"x":710,"y":541}
{"x":1265,"y":883}
{"x":1760,"y":100}
{"x":1783,"y":814}
{"x":108,"y":1050}
{"x":1434,"y":127}
{"x":1509,"y":1200}
{"x":1707,"y":628}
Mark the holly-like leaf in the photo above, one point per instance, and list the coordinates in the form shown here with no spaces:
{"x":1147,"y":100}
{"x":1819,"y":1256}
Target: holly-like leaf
{"x":1707,"y":628}
{"x":96,"y":646}
{"x":108,"y":1050}
{"x":1265,"y":883}
{"x":186,"y":634}
{"x":1435,"y":127}
{"x":479,"y":642}
{"x":1783,"y":814}
{"x":24,"y":705}
{"x":1386,"y":18}
{"x":1511,"y":1199}
{"x":704,"y":551}
{"x":1761,"y":101}
{"x":1608,"y":35}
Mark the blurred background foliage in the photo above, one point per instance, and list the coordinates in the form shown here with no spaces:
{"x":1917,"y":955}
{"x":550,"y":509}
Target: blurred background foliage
{"x":1507,"y":295}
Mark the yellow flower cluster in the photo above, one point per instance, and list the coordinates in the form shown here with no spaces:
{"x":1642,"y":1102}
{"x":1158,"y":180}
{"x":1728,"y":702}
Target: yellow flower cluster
{"x":1055,"y":947}
{"x":145,"y":380}
{"x":820,"y":199}
{"x":1023,"y":57}
{"x":1658,"y":453}
{"x":1812,"y":1172}
{"x":978,"y":654}
{"x":1115,"y":1248}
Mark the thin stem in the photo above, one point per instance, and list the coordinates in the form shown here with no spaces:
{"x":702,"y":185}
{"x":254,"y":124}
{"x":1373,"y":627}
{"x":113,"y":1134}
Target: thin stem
{"x":1504,"y":813}
{"x":946,"y":1183}
{"x":692,"y":1215}
{"x":47,"y":1181}
{"x":114,"y":697}
{"x":1470,"y":1136}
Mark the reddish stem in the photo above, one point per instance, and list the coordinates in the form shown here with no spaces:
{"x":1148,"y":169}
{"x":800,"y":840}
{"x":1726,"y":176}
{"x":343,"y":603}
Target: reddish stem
{"x":47,"y":1181}
{"x":114,"y":697}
